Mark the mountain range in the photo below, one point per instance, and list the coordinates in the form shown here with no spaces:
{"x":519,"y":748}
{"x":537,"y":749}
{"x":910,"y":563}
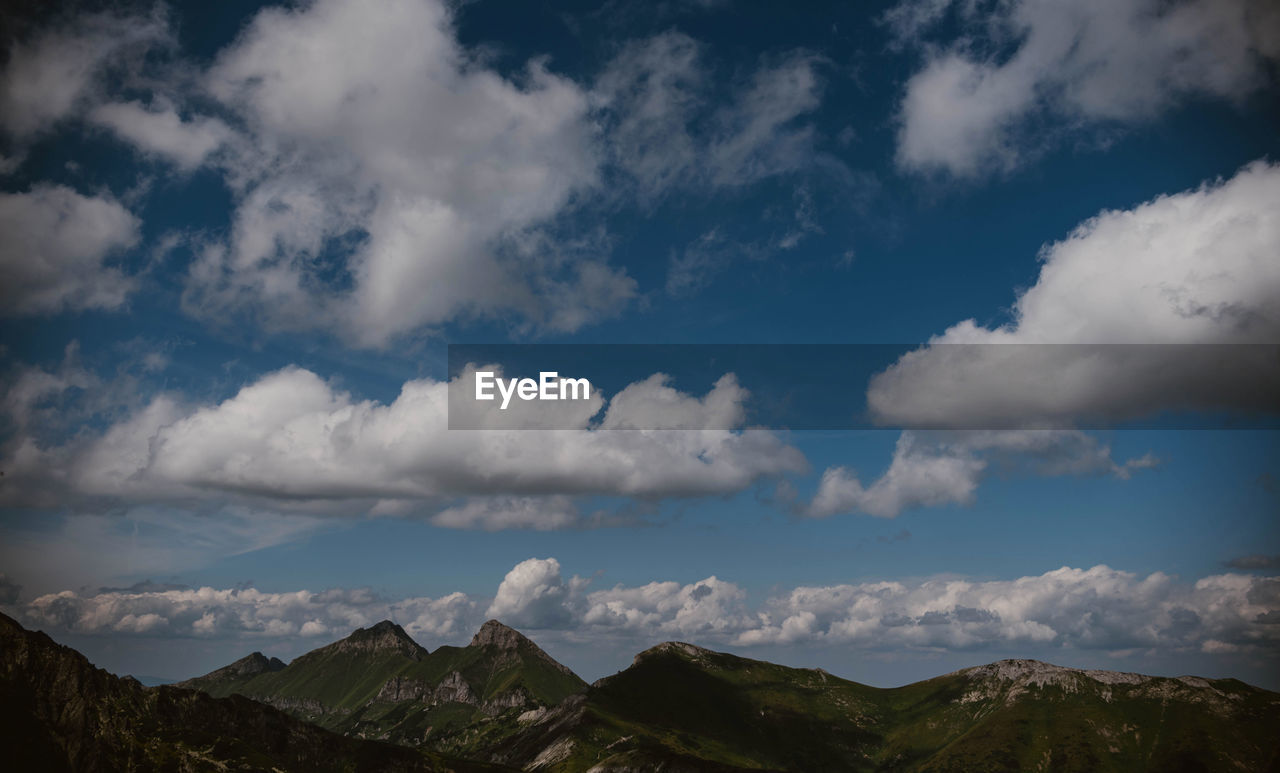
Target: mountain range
{"x":376,"y":700}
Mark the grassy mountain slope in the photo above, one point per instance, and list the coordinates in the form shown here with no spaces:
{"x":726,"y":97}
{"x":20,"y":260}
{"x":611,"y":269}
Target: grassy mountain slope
{"x":59,"y":713}
{"x":378,"y":683}
{"x":689,"y":708}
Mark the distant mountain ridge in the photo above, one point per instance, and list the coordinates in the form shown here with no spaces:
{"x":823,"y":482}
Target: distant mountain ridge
{"x":684,"y":707}
{"x":60,"y":713}
{"x":379,"y":683}
{"x":502,"y":703}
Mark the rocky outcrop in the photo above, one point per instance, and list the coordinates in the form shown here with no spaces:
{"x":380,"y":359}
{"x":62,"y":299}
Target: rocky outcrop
{"x":678,"y":648}
{"x":385,"y":637}
{"x":495,"y":634}
{"x":59,"y":713}
{"x":452,"y":689}
{"x":502,"y":637}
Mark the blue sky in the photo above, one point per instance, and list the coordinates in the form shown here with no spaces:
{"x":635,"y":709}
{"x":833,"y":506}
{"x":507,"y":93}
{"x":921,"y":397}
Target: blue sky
{"x":237,"y":241}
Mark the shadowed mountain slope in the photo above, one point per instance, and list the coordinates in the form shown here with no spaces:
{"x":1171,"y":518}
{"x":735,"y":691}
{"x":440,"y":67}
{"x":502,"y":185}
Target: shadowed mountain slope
{"x":60,"y":713}
{"x":379,"y":683}
{"x":689,"y":708}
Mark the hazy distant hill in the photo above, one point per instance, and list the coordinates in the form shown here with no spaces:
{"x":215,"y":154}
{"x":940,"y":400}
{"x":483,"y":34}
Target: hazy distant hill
{"x":379,"y":683}
{"x":678,"y":707}
{"x":59,"y":713}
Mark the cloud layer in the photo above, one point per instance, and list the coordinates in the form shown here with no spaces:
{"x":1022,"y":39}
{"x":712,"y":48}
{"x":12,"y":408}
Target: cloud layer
{"x":290,"y":440}
{"x":1082,"y":609}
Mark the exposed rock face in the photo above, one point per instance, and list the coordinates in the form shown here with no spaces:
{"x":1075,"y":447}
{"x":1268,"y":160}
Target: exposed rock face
{"x":452,"y":689}
{"x":495,"y":634}
{"x":1010,"y":680}
{"x":59,"y":713}
{"x":383,"y":637}
{"x":685,"y":649}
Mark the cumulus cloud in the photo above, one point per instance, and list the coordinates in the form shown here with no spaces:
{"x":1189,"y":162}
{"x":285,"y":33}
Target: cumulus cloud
{"x":1172,"y":280}
{"x":709,"y":607}
{"x":533,"y":594}
{"x":389,"y":177}
{"x":942,"y":468}
{"x":1068,"y":608}
{"x":159,"y":130}
{"x":1097,"y":608}
{"x":245,"y":612}
{"x":290,"y":439}
{"x":48,"y":76}
{"x":56,"y":251}
{"x":653,"y":404}
{"x":981,"y":101}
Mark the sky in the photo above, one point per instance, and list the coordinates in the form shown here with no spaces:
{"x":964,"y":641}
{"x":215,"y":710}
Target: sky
{"x":237,"y":241}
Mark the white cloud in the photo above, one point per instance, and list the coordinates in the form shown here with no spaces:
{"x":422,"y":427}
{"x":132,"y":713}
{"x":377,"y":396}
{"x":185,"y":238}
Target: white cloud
{"x":1097,"y":608}
{"x":974,"y":108}
{"x":942,"y":468}
{"x":161,"y":131}
{"x":653,"y":404}
{"x":48,"y":77}
{"x":710,"y":607}
{"x":534,"y":595}
{"x":248,"y":612}
{"x":1196,"y":268}
{"x":291,"y":440}
{"x":384,"y":155}
{"x":1100,"y":608}
{"x":498,"y":513}
{"x":56,"y":247}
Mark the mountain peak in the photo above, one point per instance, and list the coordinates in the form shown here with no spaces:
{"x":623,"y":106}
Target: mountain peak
{"x":498,"y":635}
{"x":248,"y":666}
{"x":495,"y":634}
{"x":677,"y":648}
{"x":385,"y":636}
{"x":1040,"y":673}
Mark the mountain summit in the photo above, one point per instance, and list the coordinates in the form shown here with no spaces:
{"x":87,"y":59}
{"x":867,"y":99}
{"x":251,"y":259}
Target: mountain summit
{"x":379,"y":683}
{"x":495,"y":634}
{"x":382,"y":637}
{"x":683,"y":707}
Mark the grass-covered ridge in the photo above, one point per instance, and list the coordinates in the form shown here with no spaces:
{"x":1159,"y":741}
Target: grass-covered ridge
{"x":681,"y":707}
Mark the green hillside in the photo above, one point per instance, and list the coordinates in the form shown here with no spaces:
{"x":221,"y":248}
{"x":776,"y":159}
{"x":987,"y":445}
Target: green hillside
{"x":691,"y":708}
{"x":684,"y":708}
{"x":379,"y":683}
{"x":59,"y":713}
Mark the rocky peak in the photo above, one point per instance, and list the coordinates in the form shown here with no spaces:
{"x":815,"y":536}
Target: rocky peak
{"x":1041,"y":673}
{"x":509,"y":640}
{"x":495,"y":634}
{"x":677,"y":648}
{"x":248,"y":666}
{"x":253,"y":663}
{"x":382,"y":637}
